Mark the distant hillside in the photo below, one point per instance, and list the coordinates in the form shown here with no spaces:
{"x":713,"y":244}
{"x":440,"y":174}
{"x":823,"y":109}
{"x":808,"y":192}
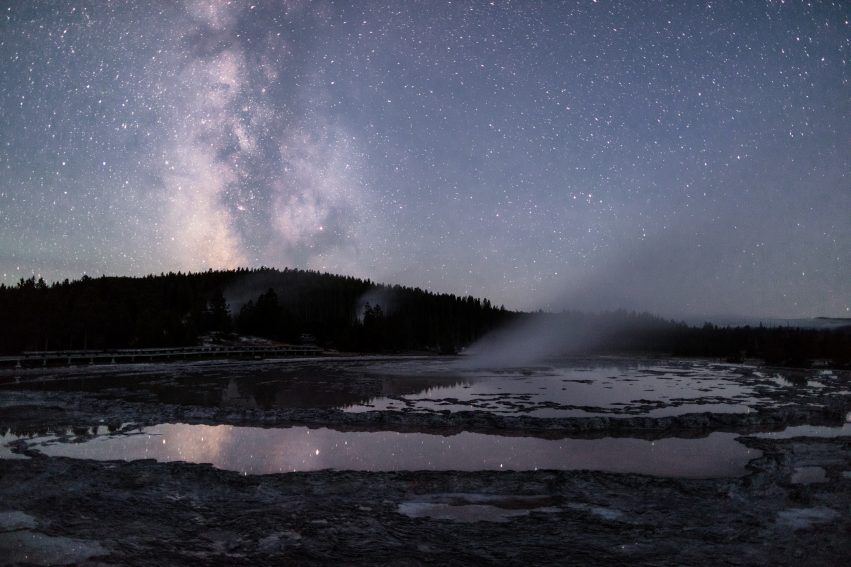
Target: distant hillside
{"x":358,"y":315}
{"x":821,"y":322}
{"x":547,"y":335}
{"x":174,"y":309}
{"x":799,"y":323}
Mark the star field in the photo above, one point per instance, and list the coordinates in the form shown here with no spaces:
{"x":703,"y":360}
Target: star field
{"x":682,"y":158}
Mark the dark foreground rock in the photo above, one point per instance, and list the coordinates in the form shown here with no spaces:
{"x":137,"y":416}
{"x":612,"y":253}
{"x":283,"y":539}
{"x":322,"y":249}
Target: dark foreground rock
{"x":55,"y":510}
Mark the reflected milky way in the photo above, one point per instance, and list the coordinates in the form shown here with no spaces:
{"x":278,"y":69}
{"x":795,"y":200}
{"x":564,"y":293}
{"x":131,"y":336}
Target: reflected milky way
{"x":260,"y":451}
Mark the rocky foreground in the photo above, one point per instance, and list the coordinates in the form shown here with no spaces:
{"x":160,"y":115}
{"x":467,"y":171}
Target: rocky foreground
{"x":785,"y":512}
{"x":793,"y":507}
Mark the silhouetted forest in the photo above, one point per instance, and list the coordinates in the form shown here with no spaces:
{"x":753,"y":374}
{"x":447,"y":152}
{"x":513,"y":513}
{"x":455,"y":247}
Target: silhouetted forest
{"x":642,"y":333}
{"x":781,"y":346}
{"x":350,"y":314}
{"x":175,"y":309}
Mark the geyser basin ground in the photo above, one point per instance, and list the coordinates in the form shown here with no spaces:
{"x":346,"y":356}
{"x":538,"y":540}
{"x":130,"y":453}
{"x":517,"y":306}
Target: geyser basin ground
{"x":790,"y":508}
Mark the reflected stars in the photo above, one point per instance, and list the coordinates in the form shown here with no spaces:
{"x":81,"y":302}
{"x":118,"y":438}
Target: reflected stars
{"x":285,"y":450}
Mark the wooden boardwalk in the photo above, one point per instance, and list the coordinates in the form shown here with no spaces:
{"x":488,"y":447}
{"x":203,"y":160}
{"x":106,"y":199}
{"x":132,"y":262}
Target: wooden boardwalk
{"x":34,"y":359}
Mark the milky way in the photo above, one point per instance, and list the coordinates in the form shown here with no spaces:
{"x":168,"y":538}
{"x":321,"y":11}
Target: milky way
{"x":679,"y":157}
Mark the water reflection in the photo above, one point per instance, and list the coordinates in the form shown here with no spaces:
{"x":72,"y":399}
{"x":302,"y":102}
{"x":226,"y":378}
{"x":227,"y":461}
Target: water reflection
{"x":5,"y":451}
{"x":808,"y":475}
{"x":570,"y":391}
{"x":306,"y":385}
{"x":571,"y":388}
{"x":469,"y":508}
{"x":808,"y":431}
{"x":259,"y":451}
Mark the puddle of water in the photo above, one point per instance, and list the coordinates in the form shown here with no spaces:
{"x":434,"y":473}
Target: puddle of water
{"x":16,"y":520}
{"x":808,"y":431}
{"x":468,"y":508}
{"x":610,"y":514}
{"x":5,"y":450}
{"x":33,"y":548}
{"x":805,"y":518}
{"x":283,"y":384}
{"x":252,"y":450}
{"x":683,"y":409}
{"x":808,"y":475}
{"x":572,"y":388}
{"x":466,"y":513}
{"x":799,"y":381}
{"x":570,"y":391}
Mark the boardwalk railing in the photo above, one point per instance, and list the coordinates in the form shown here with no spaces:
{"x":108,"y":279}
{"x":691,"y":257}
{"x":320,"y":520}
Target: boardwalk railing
{"x":33,"y":358}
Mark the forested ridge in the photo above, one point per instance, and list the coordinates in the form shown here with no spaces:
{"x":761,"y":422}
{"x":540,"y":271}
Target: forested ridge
{"x":175,"y":309}
{"x":350,"y":314}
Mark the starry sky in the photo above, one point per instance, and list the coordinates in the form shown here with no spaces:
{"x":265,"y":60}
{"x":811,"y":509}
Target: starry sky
{"x":678,"y":157}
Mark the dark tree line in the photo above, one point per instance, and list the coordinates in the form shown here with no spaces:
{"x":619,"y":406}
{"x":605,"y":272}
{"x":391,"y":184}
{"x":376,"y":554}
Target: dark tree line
{"x":347,"y":313}
{"x":782,"y":346}
{"x":572,"y":333}
{"x":175,"y":309}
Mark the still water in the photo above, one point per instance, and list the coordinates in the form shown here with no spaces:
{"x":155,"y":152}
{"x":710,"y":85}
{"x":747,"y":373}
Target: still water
{"x":571,"y":388}
{"x":252,"y":450}
{"x":578,"y":388}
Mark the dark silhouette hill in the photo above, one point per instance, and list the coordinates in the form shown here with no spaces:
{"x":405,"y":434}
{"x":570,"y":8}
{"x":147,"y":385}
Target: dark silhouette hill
{"x":352,"y":314}
{"x":175,"y":309}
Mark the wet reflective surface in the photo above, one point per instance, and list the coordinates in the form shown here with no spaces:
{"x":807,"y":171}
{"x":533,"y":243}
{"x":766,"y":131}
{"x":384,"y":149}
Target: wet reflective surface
{"x":468,"y":508}
{"x":281,"y":384}
{"x":254,"y":450}
{"x":571,"y":388}
{"x":808,"y":475}
{"x":791,"y":500}
{"x":584,"y":388}
{"x":808,"y":431}
{"x":5,"y":451}
{"x":609,"y":386}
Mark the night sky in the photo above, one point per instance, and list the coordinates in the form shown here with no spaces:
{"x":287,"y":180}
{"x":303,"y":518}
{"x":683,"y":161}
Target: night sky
{"x":678,"y":157}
